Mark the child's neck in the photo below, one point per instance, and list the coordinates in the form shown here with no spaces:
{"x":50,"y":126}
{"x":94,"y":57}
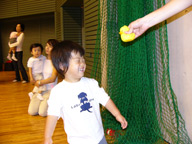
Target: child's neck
{"x":72,"y":80}
{"x":36,"y":57}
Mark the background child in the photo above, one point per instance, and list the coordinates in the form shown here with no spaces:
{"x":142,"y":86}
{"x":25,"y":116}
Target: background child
{"x":76,"y":99}
{"x":12,"y":39}
{"x":35,"y":65}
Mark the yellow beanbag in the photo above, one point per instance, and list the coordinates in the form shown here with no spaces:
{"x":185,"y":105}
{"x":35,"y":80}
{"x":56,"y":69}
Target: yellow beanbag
{"x":124,"y":36}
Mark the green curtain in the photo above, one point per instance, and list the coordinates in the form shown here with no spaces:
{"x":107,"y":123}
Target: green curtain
{"x":136,"y":77}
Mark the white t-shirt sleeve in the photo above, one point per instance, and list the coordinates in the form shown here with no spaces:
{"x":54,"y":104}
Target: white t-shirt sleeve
{"x":54,"y":103}
{"x":42,"y":57}
{"x":101,"y":96}
{"x":30,"y":62}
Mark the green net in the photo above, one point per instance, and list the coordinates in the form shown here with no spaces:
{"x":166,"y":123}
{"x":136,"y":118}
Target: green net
{"x":136,"y":76}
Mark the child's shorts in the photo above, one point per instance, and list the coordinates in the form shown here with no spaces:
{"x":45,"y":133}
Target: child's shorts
{"x":103,"y":141}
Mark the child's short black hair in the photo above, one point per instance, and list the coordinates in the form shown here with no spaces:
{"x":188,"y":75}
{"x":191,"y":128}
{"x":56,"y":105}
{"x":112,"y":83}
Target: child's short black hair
{"x":36,"y":45}
{"x":61,"y":54}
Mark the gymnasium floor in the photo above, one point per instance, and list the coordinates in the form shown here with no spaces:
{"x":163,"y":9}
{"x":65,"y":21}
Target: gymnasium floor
{"x":16,"y":126}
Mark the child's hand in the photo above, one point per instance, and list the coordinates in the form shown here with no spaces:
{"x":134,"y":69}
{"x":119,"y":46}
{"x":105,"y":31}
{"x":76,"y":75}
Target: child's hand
{"x":37,"y":83}
{"x":122,"y":120}
{"x":32,"y":81}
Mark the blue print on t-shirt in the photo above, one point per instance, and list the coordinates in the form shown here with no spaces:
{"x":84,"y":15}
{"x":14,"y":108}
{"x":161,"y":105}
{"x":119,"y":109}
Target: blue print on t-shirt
{"x":84,"y":101}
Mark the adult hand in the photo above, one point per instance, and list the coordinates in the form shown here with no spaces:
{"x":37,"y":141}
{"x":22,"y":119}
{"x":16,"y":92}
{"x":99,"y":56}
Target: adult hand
{"x":138,"y":27}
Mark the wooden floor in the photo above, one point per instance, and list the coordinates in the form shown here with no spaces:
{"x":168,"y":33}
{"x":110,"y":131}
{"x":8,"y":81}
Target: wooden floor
{"x":16,"y":126}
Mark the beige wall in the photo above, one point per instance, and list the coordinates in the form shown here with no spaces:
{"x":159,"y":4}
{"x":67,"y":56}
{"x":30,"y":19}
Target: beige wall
{"x":180,"y":50}
{"x":90,"y":31}
{"x":72,"y":24}
{"x":15,"y":8}
{"x":58,"y":19}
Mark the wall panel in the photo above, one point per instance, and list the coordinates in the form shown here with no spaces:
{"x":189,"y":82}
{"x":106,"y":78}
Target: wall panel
{"x":90,"y":26}
{"x":58,"y":19}
{"x":72,"y":24}
{"x":16,"y":8}
{"x":8,"y":8}
{"x":28,"y":7}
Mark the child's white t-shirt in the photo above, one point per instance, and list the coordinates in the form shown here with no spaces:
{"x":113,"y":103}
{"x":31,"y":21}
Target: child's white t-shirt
{"x":78,"y":105}
{"x":36,"y":64}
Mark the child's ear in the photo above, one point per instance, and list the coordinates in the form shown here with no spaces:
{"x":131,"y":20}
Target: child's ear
{"x":61,"y":67}
{"x":31,"y":52}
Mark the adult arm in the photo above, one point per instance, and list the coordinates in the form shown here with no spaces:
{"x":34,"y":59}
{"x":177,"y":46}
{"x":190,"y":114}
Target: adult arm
{"x":49,"y":128}
{"x":20,"y":39}
{"x":111,"y":107}
{"x":171,"y":8}
{"x":48,"y":80}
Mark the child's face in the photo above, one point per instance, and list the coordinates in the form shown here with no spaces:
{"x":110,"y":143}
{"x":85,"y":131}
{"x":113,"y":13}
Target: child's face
{"x":76,"y":68}
{"x":36,"y":52}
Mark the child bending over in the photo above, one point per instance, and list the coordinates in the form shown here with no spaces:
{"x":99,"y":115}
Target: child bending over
{"x":12,"y":39}
{"x":76,"y":99}
{"x":35,"y":65}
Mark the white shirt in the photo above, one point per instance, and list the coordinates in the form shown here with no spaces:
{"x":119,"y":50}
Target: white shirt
{"x":18,"y":43}
{"x":36,"y":64}
{"x":78,"y":105}
{"x":47,"y":72}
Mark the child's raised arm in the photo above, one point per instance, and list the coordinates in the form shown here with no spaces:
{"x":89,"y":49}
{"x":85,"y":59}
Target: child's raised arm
{"x":49,"y":129}
{"x":116,"y":113}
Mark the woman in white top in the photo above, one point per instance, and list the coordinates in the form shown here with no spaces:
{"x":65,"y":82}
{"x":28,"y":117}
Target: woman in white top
{"x":37,"y":106}
{"x":18,"y":65}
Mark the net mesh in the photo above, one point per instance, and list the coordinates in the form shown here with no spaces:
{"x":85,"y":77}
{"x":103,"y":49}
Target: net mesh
{"x":136,"y":76}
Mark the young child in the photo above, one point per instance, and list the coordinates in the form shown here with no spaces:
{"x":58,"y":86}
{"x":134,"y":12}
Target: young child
{"x":76,"y":99}
{"x":35,"y":65}
{"x":12,"y":39}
